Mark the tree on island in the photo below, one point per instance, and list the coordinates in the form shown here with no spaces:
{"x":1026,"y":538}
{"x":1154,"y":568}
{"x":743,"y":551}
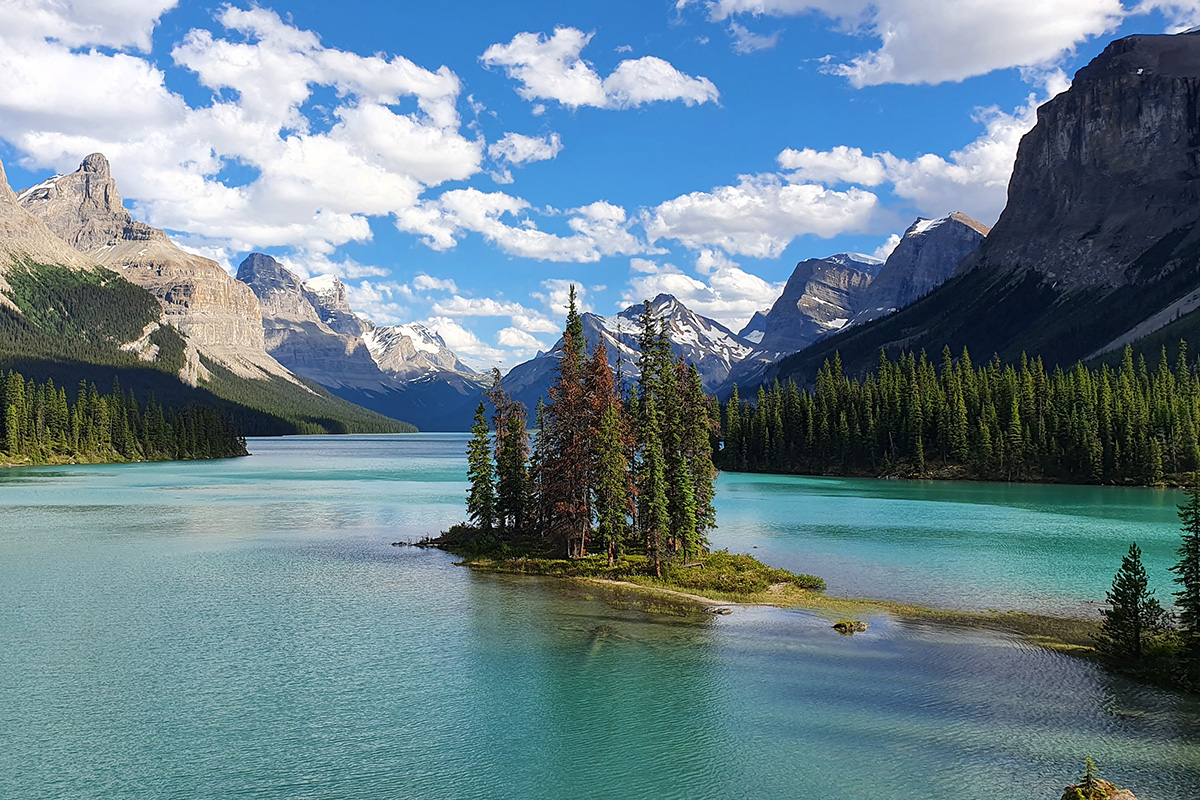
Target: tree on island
{"x":481,"y":496}
{"x":622,"y":473}
{"x":1133,"y":615}
{"x":1187,"y":576}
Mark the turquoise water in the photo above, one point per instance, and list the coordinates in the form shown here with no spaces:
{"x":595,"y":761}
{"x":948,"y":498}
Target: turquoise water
{"x":243,"y":628}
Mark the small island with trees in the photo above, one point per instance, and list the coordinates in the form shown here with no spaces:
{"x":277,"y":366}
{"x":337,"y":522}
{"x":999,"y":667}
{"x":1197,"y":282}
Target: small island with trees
{"x":616,"y":485}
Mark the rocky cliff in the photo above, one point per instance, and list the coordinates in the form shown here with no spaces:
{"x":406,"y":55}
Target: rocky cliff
{"x":404,"y":371}
{"x":1098,"y":245}
{"x":295,"y":334}
{"x":26,"y":239}
{"x":820,"y":298}
{"x":218,"y":316}
{"x":928,"y":255}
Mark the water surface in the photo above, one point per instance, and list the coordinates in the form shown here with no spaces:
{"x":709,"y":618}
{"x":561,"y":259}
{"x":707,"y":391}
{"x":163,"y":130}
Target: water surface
{"x":243,"y":628}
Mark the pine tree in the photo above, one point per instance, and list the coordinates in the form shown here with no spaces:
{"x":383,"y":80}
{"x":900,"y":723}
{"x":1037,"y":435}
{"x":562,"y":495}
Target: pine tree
{"x":569,"y":462}
{"x":611,"y":486}
{"x":654,"y":515}
{"x":481,"y":496}
{"x":1133,"y":613}
{"x":1187,"y":577}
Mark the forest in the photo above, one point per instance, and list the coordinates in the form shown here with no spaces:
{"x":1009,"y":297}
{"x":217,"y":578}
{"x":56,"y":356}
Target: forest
{"x":607,"y":469}
{"x":40,"y":425}
{"x":1127,"y":424}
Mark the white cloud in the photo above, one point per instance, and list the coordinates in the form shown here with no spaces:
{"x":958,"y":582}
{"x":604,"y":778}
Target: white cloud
{"x":931,"y":41}
{"x":79,"y":23}
{"x":840,"y":165}
{"x":884,"y":250}
{"x":760,"y":216}
{"x":518,"y":150}
{"x":426,"y":283}
{"x":730,"y":295}
{"x":599,"y":229}
{"x":380,"y":301}
{"x":746,"y":41}
{"x":973,"y":179}
{"x":302,"y":188}
{"x":551,"y":68}
{"x":556,"y":293}
{"x":459,"y":306}
{"x":512,"y":337}
{"x":1181,"y":14}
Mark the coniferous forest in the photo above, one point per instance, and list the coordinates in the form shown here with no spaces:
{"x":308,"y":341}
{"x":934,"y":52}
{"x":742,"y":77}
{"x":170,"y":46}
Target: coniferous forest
{"x":39,"y":424}
{"x":1131,"y":424}
{"x":607,"y":470}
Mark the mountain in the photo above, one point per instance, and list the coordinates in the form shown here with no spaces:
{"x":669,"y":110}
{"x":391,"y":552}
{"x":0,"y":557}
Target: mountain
{"x":706,"y":343}
{"x":1098,"y":245}
{"x":928,"y":255}
{"x":402,"y":371}
{"x":216,"y":314}
{"x":819,"y":299}
{"x":65,"y":317}
{"x":754,"y":330}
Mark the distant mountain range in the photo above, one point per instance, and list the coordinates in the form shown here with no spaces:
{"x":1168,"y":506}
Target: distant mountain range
{"x":1098,"y":246}
{"x":402,"y":371}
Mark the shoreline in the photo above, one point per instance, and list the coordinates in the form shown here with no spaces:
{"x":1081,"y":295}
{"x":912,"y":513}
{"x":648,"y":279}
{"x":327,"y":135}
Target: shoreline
{"x":1068,"y":635}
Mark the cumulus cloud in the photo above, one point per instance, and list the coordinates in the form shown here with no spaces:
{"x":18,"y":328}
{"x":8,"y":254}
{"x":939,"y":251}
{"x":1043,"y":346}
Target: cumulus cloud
{"x":721,"y":290}
{"x":426,"y":283}
{"x":760,"y":216}
{"x":884,"y":250}
{"x":118,"y":24}
{"x":551,"y":68}
{"x":380,"y":301}
{"x":842,"y":164}
{"x":311,"y":190}
{"x":599,"y":229}
{"x":514,"y":337}
{"x":518,"y":149}
{"x":932,"y":41}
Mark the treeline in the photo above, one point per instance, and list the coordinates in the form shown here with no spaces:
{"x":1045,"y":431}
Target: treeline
{"x":1130,"y":424}
{"x":606,"y":469}
{"x":38,"y":424}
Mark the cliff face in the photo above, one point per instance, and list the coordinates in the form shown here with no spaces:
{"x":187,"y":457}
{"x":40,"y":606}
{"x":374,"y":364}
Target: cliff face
{"x":1106,"y":186}
{"x":1099,"y":245}
{"x":218,"y":316}
{"x":927,"y":256}
{"x":23,"y":237}
{"x":297,"y":337}
{"x":820,"y":298}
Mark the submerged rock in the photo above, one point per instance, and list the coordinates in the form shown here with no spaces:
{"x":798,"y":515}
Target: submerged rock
{"x":849,"y":626}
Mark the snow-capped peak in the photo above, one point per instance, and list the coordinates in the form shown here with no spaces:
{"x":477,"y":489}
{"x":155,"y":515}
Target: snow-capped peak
{"x":323,"y":284}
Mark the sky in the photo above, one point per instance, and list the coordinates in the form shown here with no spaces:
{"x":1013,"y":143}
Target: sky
{"x":462,"y":163}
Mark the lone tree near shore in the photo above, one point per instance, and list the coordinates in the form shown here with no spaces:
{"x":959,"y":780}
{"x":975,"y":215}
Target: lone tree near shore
{"x":1133,"y":613}
{"x":1187,"y":576}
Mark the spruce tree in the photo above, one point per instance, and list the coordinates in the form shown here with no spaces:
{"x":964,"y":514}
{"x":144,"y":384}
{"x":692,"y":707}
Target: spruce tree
{"x":1187,"y":577}
{"x":653,"y":514}
{"x":481,"y":496}
{"x":611,"y":487}
{"x":568,"y":462}
{"x":1133,"y":613}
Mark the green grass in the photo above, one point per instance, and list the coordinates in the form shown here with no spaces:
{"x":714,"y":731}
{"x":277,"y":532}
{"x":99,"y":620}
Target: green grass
{"x":719,"y":575}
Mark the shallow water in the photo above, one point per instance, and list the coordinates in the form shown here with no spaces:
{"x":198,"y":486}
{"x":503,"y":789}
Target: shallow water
{"x":231,"y":628}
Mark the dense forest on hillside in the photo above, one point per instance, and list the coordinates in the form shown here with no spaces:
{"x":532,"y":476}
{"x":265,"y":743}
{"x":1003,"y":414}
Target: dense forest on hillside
{"x":1123,"y":424}
{"x":70,"y":326}
{"x":38,"y":425}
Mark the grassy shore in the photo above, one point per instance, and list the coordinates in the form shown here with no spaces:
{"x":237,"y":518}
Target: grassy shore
{"x":718,"y":581}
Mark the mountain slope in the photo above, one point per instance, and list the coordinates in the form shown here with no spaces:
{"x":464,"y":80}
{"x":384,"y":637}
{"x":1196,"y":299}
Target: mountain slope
{"x":215,"y":313}
{"x":402,"y":371}
{"x":67,"y":318}
{"x":1098,"y":245}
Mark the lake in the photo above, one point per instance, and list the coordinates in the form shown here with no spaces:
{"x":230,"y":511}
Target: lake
{"x":244,"y":628}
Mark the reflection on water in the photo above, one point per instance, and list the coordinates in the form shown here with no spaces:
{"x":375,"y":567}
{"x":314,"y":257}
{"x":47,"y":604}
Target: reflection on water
{"x":244,"y":627}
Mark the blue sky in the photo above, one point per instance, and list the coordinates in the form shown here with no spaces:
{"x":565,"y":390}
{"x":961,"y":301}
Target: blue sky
{"x":460,"y":162}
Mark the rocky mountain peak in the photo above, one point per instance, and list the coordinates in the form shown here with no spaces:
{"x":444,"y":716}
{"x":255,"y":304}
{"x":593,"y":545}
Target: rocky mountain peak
{"x":261,"y":270}
{"x":1105,"y":191}
{"x":819,"y":298}
{"x":25,"y":237}
{"x":96,"y":164}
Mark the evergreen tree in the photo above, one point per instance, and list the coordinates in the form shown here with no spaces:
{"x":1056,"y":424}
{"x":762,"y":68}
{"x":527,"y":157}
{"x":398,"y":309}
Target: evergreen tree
{"x":481,"y":496}
{"x":1133,"y":613}
{"x":611,"y":487}
{"x":569,"y":462}
{"x":1187,"y":577}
